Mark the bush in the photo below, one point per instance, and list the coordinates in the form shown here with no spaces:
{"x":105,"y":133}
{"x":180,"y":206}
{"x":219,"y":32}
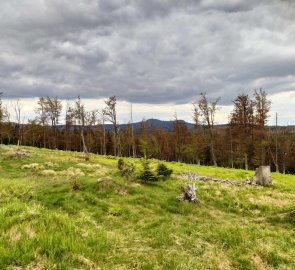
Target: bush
{"x":115,"y":211}
{"x":147,"y":175}
{"x":121,"y":164}
{"x":128,"y":170}
{"x":75,"y":184}
{"x":163,"y":170}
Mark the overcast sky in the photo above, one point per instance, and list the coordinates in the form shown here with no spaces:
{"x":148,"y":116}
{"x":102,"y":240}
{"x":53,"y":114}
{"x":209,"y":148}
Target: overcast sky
{"x":157,"y":54}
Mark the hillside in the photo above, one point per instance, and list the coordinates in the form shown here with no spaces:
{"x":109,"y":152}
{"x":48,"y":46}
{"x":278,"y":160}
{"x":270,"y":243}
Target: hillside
{"x":126,"y":224}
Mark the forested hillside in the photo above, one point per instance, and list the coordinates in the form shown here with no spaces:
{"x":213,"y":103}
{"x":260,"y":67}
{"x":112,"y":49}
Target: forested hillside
{"x":245,"y":142}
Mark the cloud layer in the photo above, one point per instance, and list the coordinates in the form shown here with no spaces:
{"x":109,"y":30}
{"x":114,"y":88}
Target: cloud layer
{"x":153,"y":51}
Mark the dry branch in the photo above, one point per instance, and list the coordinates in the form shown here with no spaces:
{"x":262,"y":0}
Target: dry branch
{"x":196,"y":177}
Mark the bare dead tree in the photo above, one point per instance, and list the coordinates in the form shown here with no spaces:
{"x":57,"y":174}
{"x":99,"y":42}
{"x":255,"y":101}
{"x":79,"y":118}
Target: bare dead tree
{"x":132,"y":132}
{"x":54,"y":108}
{"x":277,"y":147}
{"x":103,"y":119}
{"x":4,"y":119}
{"x":1,"y":115}
{"x":42,"y":116}
{"x":262,"y":107}
{"x":80,"y":115}
{"x":90,"y":127}
{"x":111,"y":114}
{"x":241,"y":123}
{"x":204,"y":112}
{"x":18,"y":107}
{"x":69,"y":122}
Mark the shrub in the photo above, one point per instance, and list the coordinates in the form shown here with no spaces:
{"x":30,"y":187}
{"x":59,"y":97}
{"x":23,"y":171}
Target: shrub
{"x":75,"y":184}
{"x":34,"y":167}
{"x":163,"y":170}
{"x":121,"y":164}
{"x":147,"y":175}
{"x":127,"y":170}
{"x":115,"y":211}
{"x":73,"y":172}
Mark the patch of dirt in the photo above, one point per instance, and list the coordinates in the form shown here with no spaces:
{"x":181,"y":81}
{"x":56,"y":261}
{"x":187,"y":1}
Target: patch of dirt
{"x":30,"y":231}
{"x":14,"y":235}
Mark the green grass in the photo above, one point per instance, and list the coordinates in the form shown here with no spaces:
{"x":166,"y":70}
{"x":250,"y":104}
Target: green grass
{"x":124,"y":224}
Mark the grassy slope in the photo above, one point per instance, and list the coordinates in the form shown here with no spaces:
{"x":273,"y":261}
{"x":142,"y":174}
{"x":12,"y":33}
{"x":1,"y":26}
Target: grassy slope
{"x":123,"y":224}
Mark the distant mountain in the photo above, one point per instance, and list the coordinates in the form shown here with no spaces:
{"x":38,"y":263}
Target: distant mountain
{"x":168,"y":125}
{"x":153,"y":124}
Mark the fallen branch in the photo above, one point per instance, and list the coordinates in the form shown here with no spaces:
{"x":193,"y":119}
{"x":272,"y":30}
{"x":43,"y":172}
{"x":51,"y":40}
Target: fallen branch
{"x":196,"y":177}
{"x":20,"y":153}
{"x":291,"y":213}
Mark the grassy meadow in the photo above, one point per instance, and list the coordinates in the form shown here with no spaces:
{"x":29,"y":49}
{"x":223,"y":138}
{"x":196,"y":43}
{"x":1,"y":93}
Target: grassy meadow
{"x":126,"y":224}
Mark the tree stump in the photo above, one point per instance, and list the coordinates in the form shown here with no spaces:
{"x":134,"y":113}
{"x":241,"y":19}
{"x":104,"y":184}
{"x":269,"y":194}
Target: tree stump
{"x":262,"y":176}
{"x":189,"y":194}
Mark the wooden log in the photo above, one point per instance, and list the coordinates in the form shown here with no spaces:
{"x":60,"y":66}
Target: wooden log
{"x":190,"y":176}
{"x":262,"y":176}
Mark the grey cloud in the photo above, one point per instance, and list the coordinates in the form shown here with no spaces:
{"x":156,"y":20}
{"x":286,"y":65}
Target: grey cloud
{"x":146,"y":51}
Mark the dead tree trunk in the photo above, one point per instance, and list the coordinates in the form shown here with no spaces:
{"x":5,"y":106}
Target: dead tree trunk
{"x":189,"y":194}
{"x":263,"y":176}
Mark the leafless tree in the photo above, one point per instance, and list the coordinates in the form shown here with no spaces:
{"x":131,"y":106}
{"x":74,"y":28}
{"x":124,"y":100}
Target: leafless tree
{"x":53,"y":109}
{"x":69,"y":122}
{"x":262,"y":108}
{"x":18,"y":107}
{"x":42,"y":116}
{"x":242,"y":124}
{"x":103,"y":119}
{"x":80,"y":115}
{"x":132,"y":133}
{"x":111,"y":115}
{"x":277,"y":146}
{"x":1,"y":115}
{"x":91,"y":128}
{"x":204,"y":112}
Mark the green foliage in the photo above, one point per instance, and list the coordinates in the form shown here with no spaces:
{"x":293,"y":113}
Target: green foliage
{"x":121,"y":164}
{"x":128,"y":170}
{"x":162,"y":170}
{"x":143,"y":146}
{"x":115,"y":211}
{"x":146,"y":175}
{"x":75,"y":184}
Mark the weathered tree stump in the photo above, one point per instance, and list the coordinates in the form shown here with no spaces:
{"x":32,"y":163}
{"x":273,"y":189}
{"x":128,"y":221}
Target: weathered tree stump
{"x":262,"y":176}
{"x":189,"y":194}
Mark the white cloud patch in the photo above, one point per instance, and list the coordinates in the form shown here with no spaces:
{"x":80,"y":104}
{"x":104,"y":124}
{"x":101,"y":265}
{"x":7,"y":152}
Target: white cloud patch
{"x":162,"y":111}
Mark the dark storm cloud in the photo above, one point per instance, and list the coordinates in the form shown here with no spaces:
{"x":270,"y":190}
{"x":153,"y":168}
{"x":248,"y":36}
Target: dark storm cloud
{"x":146,"y":51}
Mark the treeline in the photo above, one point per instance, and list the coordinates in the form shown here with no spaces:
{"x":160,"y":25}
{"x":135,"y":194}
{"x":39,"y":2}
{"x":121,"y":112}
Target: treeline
{"x":246,"y":142}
